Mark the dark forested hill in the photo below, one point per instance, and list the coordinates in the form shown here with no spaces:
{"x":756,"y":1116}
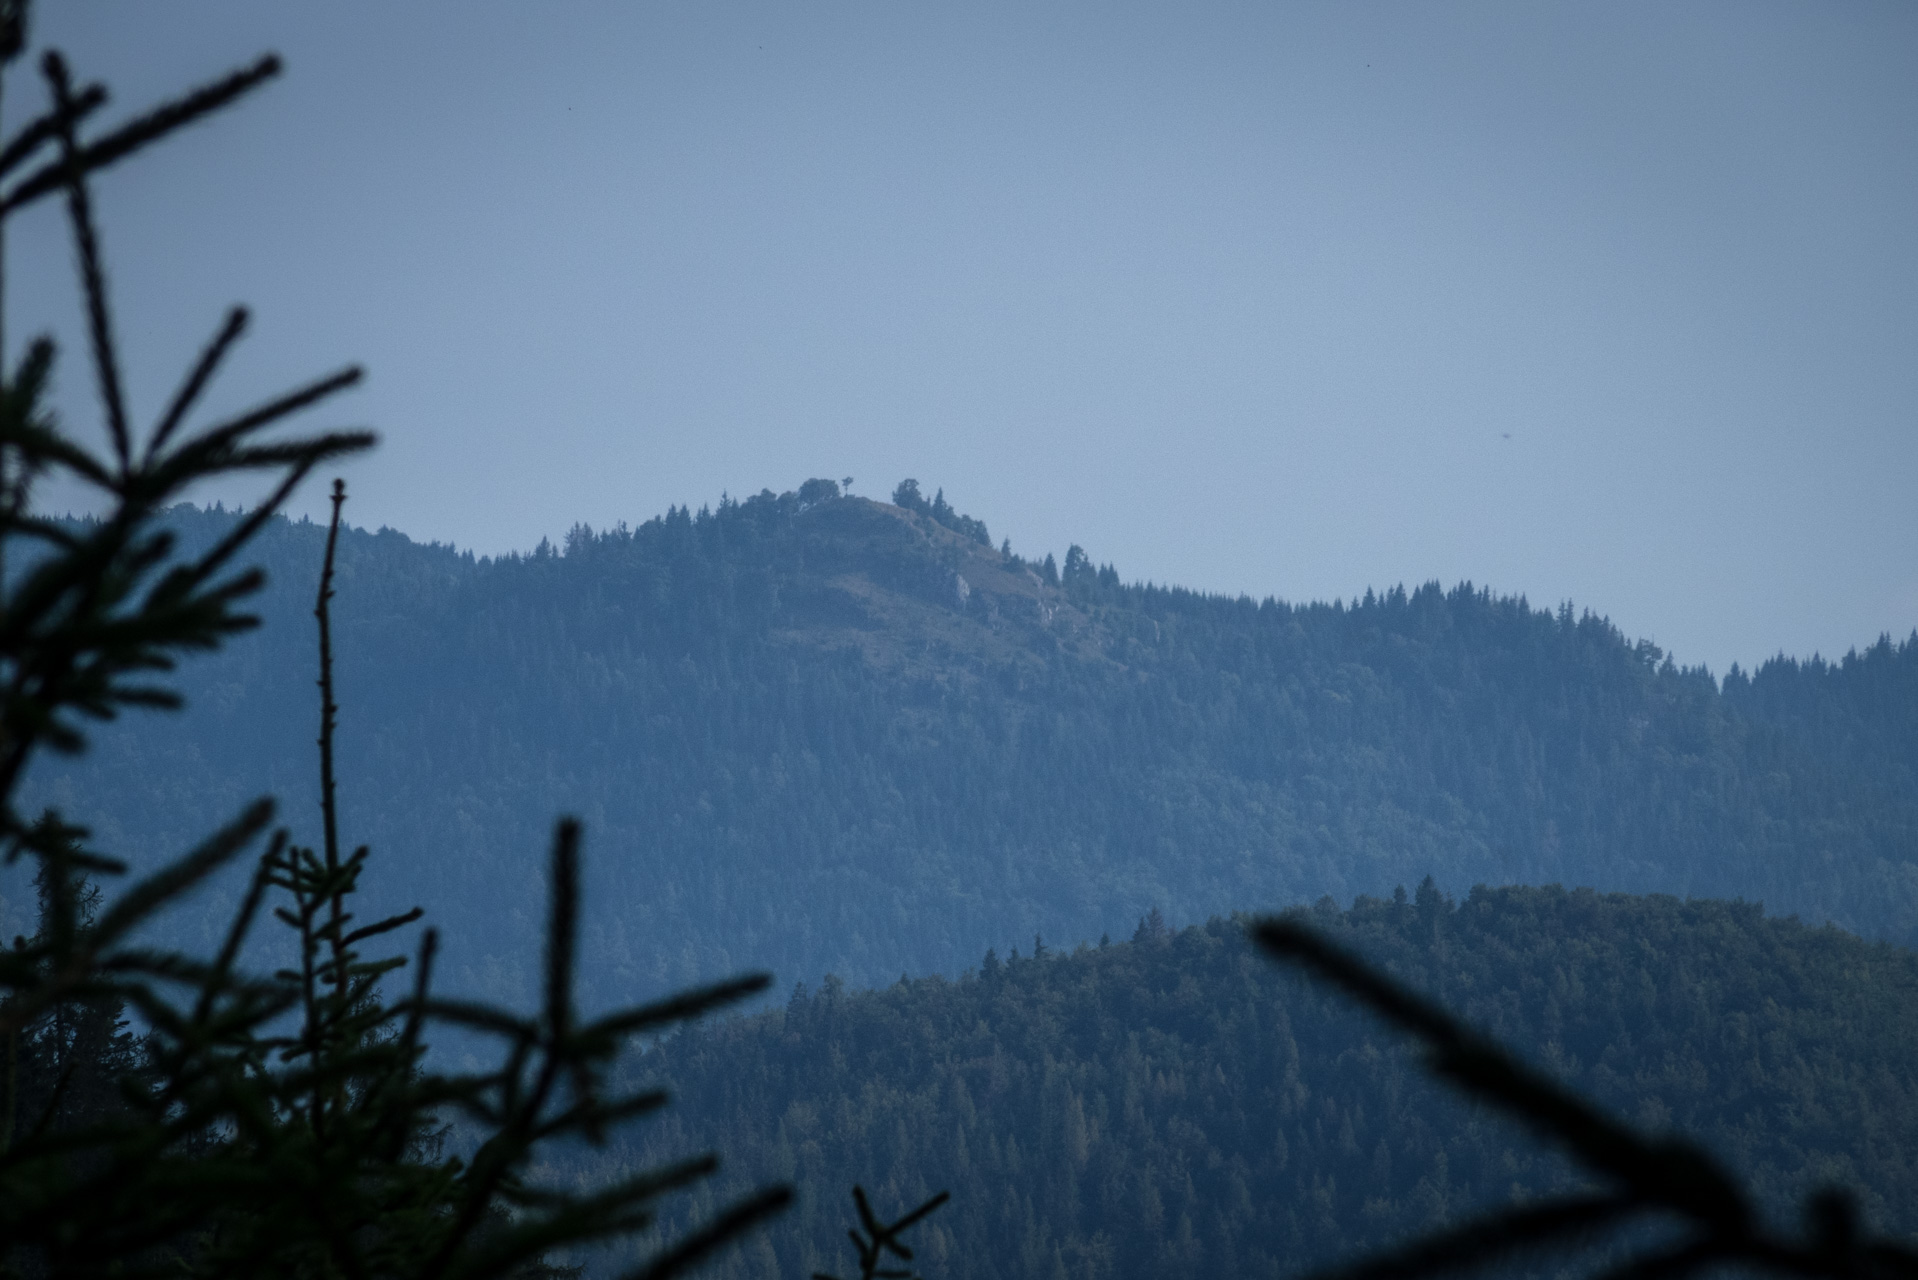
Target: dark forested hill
{"x":1179,"y":1106}
{"x":814,"y":732}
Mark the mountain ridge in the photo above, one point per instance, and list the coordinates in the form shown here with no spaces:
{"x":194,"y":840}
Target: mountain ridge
{"x":797,"y":742}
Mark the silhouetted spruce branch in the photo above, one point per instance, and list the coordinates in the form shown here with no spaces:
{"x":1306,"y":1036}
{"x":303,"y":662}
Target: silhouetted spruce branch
{"x":1645,"y":1178}
{"x":874,"y":1239}
{"x":287,"y":1124}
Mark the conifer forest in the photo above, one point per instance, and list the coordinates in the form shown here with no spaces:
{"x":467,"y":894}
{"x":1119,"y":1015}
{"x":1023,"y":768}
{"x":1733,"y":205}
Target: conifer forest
{"x":807,"y":884}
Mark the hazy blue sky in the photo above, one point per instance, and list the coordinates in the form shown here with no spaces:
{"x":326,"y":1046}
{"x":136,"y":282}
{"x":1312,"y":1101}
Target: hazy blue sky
{"x":1608,"y":302}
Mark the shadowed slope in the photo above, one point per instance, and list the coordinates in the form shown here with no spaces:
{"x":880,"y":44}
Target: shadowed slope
{"x":1180,"y":1105}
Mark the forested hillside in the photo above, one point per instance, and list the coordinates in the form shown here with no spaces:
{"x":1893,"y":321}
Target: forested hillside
{"x":819,"y":733}
{"x":1179,"y":1105}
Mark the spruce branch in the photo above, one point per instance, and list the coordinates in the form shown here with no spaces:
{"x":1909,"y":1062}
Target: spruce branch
{"x":1646,"y":1178}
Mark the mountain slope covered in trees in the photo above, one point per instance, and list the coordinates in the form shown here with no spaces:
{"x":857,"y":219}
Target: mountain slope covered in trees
{"x":820,"y":733}
{"x":1179,"y":1105}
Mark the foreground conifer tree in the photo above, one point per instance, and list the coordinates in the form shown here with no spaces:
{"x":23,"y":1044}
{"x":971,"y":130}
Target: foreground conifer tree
{"x":282,"y":1124}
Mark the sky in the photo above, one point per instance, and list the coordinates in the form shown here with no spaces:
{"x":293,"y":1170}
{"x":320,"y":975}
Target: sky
{"x":1615,"y":304}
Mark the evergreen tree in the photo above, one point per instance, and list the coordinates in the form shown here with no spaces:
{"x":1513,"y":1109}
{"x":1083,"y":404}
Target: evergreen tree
{"x":275,"y":1125}
{"x":68,"y":1065}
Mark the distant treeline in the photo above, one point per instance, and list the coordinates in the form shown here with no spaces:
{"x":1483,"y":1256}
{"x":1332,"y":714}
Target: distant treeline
{"x":1178,"y":1105}
{"x":818,"y":733}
